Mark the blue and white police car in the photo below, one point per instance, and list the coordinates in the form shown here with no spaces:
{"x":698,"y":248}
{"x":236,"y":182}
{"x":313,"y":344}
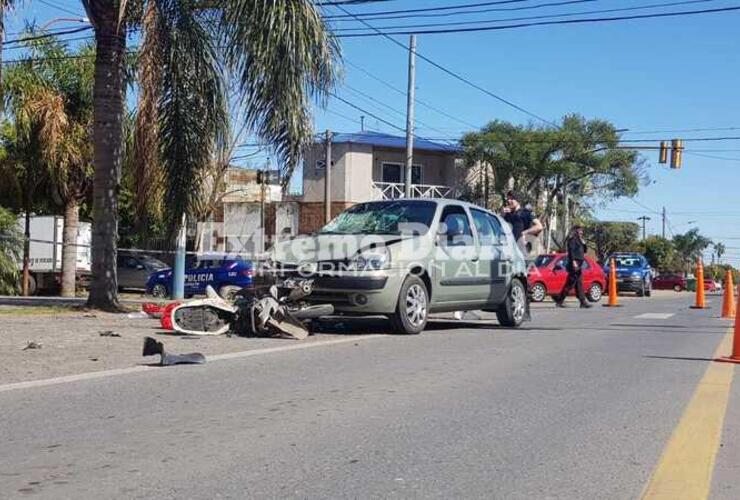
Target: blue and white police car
{"x":226,"y":275}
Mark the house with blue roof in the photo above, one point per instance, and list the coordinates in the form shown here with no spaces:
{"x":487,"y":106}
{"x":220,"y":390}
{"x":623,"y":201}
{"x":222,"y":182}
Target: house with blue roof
{"x":371,"y":166}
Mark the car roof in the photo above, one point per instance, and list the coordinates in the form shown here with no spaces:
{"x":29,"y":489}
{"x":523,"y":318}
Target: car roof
{"x":439,"y":201}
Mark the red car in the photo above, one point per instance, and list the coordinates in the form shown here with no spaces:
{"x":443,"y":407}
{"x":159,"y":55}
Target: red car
{"x":548,"y":276}
{"x":670,"y":282}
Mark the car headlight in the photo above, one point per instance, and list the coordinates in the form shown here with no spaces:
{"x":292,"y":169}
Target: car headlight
{"x":635,"y":274}
{"x":373,"y":259}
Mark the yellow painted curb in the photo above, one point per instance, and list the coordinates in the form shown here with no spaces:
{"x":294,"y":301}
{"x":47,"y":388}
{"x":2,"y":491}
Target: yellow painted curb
{"x":685,"y":469}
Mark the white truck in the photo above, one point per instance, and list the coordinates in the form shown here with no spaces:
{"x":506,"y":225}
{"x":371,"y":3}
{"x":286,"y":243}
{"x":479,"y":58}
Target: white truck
{"x":46,"y":251}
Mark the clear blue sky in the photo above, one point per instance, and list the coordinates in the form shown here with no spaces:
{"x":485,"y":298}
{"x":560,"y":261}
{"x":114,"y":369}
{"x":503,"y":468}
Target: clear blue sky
{"x":655,"y":74}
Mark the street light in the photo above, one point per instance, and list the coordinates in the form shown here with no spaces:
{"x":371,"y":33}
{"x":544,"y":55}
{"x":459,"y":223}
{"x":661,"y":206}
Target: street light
{"x":82,"y":20}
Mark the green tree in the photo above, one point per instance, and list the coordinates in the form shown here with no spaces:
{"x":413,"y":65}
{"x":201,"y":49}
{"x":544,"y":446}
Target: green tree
{"x":719,"y":251}
{"x":581,"y":157}
{"x":10,"y":252}
{"x":279,"y":56}
{"x":660,"y":252}
{"x":690,"y":246}
{"x":51,"y":97}
{"x":606,"y":238}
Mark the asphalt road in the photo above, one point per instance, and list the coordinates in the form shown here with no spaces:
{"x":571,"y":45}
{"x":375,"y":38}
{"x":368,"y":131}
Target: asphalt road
{"x":577,"y":404}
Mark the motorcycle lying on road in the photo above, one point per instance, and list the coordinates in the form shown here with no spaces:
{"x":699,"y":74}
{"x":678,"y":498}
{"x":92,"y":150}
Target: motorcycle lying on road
{"x":280,"y":310}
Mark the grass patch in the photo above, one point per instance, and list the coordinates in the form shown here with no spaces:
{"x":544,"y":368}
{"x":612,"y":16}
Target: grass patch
{"x":36,"y":310}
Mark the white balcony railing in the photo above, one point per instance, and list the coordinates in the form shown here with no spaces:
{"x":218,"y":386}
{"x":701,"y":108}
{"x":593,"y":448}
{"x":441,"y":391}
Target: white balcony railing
{"x":393,"y":190}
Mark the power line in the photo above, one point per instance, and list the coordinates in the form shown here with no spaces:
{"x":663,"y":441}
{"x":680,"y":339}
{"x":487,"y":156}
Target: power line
{"x":351,"y":2}
{"x":47,"y":35}
{"x":677,"y":130}
{"x":525,"y":18}
{"x":452,"y":73}
{"x":358,"y":108}
{"x":713,"y":157}
{"x":61,"y":9}
{"x":541,"y":23}
{"x":427,"y":9}
{"x":403,"y":92}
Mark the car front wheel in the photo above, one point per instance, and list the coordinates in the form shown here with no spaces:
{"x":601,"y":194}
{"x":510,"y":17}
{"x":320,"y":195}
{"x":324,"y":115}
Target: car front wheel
{"x":677,"y":288}
{"x":511,"y":313}
{"x":594,"y":292}
{"x":412,"y":310}
{"x":538,"y":292}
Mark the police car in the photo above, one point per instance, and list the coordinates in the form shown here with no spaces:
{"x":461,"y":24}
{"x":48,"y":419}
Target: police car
{"x":226,"y":276}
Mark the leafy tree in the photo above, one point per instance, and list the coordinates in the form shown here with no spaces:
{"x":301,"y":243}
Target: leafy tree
{"x":660,"y":252}
{"x":608,"y":237}
{"x":581,"y":157}
{"x":10,"y":252}
{"x":690,"y":246}
{"x":51,"y":98}
{"x":5,"y":6}
{"x":279,"y":55}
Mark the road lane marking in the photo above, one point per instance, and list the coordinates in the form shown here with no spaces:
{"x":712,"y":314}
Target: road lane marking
{"x":216,"y":357}
{"x":685,"y":469}
{"x":655,"y":315}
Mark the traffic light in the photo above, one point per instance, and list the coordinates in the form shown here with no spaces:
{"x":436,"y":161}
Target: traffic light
{"x":263,"y":177}
{"x":663,"y":155}
{"x":676,"y":153}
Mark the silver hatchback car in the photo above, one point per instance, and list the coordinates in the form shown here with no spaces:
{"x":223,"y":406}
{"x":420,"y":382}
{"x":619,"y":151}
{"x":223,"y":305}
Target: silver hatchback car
{"x":407,"y":258}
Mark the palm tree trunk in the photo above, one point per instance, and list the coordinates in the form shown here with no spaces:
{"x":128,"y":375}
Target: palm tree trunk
{"x":108,"y":99}
{"x":69,"y":247}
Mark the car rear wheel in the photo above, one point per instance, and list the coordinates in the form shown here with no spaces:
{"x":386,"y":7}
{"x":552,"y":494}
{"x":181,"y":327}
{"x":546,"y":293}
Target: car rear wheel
{"x":677,"y":288}
{"x":412,"y":310}
{"x":595,"y":291}
{"x":511,"y":313}
{"x":160,"y":291}
{"x":538,"y":292}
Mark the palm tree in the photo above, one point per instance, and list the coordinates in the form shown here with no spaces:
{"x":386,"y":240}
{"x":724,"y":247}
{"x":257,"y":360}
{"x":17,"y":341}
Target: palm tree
{"x":51,"y":102}
{"x":279,"y":56}
{"x":719,"y":250}
{"x":10,"y":252}
{"x":5,"y":6}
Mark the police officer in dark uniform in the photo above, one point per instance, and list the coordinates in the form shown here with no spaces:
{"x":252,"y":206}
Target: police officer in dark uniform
{"x":574,"y":261}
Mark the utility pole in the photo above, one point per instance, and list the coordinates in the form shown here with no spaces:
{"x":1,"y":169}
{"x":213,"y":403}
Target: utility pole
{"x":327,"y":179}
{"x":362,"y":123}
{"x":411,"y":97}
{"x":663,"y":216}
{"x":263,"y":188}
{"x":178,"y":270}
{"x":644,"y":219}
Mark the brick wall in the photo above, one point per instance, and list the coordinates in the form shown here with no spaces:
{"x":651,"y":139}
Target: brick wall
{"x":312,"y":214}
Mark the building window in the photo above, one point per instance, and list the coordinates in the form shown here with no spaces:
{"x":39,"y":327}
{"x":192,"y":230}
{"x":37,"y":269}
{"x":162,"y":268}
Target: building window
{"x":394,"y":172}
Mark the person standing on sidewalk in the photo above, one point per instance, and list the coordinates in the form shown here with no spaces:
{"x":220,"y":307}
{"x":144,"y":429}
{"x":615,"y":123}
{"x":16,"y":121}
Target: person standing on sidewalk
{"x":576,"y":247}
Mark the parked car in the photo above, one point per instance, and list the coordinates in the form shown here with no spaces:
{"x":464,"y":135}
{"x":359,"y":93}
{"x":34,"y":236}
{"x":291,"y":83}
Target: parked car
{"x":548,"y":275}
{"x":634,"y":273}
{"x":675,"y":282}
{"x":712,"y":286}
{"x":226,"y":276}
{"x":407,"y":258}
{"x":134,"y":269}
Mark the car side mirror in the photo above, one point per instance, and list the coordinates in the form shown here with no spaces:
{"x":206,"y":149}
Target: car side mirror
{"x":558,"y":267}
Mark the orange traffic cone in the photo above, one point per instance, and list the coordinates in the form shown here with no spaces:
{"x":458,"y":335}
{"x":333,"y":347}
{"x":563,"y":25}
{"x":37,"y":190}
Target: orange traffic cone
{"x":700,"y":299}
{"x":735,"y":356}
{"x":613,"y":297}
{"x":728,"y":299}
